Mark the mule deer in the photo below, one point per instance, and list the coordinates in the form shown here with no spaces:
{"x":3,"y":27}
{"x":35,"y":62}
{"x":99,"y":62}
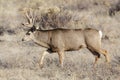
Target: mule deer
{"x":61,"y":40}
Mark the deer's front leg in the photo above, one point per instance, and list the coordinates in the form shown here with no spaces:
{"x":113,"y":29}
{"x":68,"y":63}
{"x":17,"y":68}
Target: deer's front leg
{"x":61,"y":57}
{"x":42,"y":58}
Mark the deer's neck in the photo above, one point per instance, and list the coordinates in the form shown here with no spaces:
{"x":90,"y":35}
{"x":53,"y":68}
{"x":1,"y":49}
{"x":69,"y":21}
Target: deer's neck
{"x":42,"y":38}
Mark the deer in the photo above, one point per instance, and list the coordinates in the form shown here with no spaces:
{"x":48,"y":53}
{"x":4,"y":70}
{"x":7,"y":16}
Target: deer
{"x":61,"y":40}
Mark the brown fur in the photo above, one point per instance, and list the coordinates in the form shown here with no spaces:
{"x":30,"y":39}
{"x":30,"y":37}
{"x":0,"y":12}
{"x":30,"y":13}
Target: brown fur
{"x":60,"y":40}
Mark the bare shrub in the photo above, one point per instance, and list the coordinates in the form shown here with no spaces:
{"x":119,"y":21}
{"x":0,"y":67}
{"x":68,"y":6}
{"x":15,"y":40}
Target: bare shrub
{"x":51,"y":18}
{"x":1,"y":31}
{"x":78,"y":5}
{"x":114,"y":8}
{"x":11,"y":32}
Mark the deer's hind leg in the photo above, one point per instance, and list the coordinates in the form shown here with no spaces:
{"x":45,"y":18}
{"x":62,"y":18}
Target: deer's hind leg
{"x":105,"y":53}
{"x":96,"y":54}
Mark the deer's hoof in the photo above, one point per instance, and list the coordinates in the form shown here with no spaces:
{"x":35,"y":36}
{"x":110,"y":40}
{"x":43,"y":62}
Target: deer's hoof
{"x":41,"y":66}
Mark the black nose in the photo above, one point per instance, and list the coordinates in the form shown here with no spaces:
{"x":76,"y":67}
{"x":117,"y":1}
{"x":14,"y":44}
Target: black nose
{"x":22,"y":39}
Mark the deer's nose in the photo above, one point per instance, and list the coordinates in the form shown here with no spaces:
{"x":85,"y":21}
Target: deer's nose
{"x":22,"y":39}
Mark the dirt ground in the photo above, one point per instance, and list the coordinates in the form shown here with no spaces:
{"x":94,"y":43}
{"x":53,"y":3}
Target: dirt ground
{"x":19,"y":60}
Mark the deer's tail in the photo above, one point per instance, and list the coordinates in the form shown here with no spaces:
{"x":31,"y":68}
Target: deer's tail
{"x":100,"y":33}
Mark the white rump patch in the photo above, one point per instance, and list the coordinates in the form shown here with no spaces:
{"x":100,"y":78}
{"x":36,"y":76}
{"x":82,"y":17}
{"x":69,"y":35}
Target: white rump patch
{"x":100,"y":32}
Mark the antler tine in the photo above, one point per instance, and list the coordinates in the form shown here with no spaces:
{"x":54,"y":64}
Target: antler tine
{"x":27,"y":17}
{"x":36,"y":18}
{"x":32,"y":16}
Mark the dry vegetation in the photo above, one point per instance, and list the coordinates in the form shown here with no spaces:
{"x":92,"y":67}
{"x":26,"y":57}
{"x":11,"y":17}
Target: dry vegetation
{"x":19,"y":60}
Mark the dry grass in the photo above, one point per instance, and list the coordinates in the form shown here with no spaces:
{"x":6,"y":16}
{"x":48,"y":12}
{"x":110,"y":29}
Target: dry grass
{"x":19,"y":60}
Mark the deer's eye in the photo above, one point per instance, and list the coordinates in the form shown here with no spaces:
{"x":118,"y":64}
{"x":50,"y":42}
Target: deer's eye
{"x":28,"y":33}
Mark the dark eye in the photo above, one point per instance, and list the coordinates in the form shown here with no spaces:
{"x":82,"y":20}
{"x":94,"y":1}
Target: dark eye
{"x":27,"y":33}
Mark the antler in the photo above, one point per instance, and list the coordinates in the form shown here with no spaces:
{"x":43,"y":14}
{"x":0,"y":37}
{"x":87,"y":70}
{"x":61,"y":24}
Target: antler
{"x":29,"y":15}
